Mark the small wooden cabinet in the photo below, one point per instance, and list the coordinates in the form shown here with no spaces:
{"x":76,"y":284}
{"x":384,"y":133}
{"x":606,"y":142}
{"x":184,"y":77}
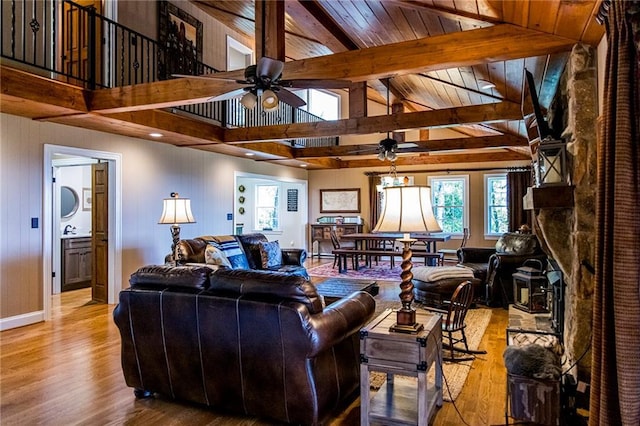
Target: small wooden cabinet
{"x":412,"y":402}
{"x":322,"y":232}
{"x":76,"y":263}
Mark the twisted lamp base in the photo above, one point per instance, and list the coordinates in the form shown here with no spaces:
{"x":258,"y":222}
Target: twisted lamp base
{"x":406,"y":316}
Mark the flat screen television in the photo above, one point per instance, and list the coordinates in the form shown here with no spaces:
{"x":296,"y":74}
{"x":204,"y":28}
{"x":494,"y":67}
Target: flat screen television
{"x":537,"y":126}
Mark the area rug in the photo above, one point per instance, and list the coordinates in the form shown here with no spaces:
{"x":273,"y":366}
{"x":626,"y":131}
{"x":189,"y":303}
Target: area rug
{"x":380,"y":271}
{"x":455,"y":373}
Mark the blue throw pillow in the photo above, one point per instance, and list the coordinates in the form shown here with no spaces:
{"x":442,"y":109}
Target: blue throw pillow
{"x":233,"y":251}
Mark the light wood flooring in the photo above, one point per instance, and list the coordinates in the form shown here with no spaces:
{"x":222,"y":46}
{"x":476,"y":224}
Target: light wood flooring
{"x":67,"y":372}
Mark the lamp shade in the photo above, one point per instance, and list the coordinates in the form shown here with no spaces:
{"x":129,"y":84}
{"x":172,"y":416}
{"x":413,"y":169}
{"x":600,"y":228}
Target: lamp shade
{"x":177,"y":210}
{"x":269,"y":100}
{"x":249,"y":100}
{"x":407,"y":209}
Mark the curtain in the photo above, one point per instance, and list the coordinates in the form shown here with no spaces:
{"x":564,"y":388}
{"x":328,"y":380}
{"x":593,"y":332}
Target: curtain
{"x":374,"y":200}
{"x":615,"y":368}
{"x":517,"y":184}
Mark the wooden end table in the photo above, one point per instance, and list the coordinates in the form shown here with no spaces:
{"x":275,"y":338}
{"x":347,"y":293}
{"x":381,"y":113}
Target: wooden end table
{"x":401,"y":402}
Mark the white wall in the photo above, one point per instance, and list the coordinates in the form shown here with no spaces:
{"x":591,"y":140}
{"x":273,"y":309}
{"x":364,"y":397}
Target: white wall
{"x":150,"y":172}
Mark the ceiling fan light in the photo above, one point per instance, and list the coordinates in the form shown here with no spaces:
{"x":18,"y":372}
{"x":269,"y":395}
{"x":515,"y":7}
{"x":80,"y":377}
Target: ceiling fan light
{"x":269,"y":100}
{"x":381,"y":155}
{"x":391,"y":155}
{"x":249,"y":100}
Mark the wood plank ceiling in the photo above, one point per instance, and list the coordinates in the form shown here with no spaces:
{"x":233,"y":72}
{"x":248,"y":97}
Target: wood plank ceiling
{"x":435,"y":54}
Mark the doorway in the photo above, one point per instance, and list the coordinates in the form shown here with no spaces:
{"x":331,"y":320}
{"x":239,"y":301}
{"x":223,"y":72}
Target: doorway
{"x":52,"y":231}
{"x":239,"y":56}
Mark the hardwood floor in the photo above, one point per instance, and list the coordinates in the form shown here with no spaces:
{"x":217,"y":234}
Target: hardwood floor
{"x":67,"y":371}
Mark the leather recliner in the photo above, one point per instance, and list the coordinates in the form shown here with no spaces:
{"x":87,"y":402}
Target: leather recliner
{"x":259,"y":343}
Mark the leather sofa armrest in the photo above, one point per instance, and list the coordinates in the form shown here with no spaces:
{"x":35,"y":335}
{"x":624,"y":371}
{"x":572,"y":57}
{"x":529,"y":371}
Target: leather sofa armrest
{"x":475,"y":254}
{"x":340,"y":320}
{"x":293,"y":256}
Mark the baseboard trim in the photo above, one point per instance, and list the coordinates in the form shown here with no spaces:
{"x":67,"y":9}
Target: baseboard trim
{"x":21,"y":320}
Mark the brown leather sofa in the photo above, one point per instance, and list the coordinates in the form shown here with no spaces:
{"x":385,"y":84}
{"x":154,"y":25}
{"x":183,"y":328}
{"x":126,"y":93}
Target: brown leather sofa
{"x":190,"y":251}
{"x":259,"y":343}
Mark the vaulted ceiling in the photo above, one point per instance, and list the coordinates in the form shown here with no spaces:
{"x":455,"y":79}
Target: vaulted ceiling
{"x":431,"y":54}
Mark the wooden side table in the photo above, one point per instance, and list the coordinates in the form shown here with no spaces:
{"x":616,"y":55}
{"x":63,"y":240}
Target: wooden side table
{"x":398,"y":402}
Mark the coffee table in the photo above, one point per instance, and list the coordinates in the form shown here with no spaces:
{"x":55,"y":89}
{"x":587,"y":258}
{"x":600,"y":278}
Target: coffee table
{"x":336,"y":288}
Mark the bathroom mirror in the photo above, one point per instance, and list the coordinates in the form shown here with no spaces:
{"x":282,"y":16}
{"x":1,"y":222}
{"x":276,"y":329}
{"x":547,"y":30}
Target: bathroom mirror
{"x":68,"y":201}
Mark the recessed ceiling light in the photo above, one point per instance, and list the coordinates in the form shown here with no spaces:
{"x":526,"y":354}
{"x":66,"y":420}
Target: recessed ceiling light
{"x":156,"y":135}
{"x":249,"y":154}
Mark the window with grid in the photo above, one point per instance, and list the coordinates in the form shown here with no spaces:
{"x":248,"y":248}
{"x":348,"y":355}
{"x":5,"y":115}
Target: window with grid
{"x":267,"y":202}
{"x":496,"y":211}
{"x":450,"y":200}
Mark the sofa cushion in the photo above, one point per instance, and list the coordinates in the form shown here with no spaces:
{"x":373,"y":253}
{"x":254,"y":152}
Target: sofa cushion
{"x":250,"y":245}
{"x":213,"y":255}
{"x":435,"y":273}
{"x":267,"y":285}
{"x":270,"y":254}
{"x":171,"y":276}
{"x":233,"y":250}
{"x":516,"y":243}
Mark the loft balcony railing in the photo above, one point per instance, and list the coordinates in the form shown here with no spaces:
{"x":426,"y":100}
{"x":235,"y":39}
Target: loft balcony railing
{"x":65,"y":41}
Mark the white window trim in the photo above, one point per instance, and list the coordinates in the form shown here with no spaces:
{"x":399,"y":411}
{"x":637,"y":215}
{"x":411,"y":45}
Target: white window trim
{"x":465,"y":210}
{"x":278,"y":208}
{"x":487,"y":234}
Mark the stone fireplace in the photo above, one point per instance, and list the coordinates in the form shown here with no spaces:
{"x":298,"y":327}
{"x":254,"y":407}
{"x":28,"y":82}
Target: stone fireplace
{"x":568,"y":233}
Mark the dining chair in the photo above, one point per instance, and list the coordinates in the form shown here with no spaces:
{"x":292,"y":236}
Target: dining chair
{"x":452,"y":254}
{"x":335,"y":241}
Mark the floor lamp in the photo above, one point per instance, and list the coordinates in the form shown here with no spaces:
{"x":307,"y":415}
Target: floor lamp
{"x":407,"y":209}
{"x":176,"y":211}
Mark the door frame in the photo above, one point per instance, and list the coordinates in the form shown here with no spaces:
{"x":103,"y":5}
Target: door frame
{"x":115,"y":219}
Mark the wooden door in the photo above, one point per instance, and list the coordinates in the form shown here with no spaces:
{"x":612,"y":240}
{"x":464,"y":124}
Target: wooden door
{"x":100,"y":232}
{"x":75,"y":43}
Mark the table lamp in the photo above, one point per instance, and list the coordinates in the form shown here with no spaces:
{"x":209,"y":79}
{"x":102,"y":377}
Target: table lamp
{"x":407,"y":209}
{"x":175,"y":211}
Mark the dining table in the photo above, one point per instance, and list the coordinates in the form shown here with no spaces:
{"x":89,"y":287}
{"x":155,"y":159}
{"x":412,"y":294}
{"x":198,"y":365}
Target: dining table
{"x":371,"y":240}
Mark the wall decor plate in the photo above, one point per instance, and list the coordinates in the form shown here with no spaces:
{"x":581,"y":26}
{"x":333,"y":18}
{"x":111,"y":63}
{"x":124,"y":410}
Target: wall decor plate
{"x":241,"y":200}
{"x":241,"y":188}
{"x":241,"y":210}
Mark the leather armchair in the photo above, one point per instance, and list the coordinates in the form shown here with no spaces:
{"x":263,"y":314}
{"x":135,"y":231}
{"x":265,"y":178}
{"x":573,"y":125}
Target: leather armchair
{"x":476,"y":259}
{"x":512,"y":250}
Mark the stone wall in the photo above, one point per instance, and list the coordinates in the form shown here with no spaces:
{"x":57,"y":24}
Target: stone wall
{"x":569,"y":234}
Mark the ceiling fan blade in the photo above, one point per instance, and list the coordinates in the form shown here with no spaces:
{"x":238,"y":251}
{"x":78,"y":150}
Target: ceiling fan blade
{"x":290,"y":98}
{"x":315,"y":84}
{"x":268,"y":67}
{"x":229,"y":95}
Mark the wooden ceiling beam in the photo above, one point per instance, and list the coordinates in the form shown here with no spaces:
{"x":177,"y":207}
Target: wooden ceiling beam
{"x":29,"y":87}
{"x":498,"y":141}
{"x":425,"y":159}
{"x":466,"y":48}
{"x":165,"y":121}
{"x":379,"y":124}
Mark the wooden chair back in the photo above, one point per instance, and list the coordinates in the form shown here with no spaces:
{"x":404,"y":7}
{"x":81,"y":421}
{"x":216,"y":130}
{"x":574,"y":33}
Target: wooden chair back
{"x":458,"y":307}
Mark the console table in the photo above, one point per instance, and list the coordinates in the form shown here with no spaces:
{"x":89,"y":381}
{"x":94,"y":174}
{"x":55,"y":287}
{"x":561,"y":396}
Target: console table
{"x":322,"y":232}
{"x":400,"y":402}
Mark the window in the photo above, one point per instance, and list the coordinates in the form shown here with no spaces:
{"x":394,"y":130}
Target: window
{"x":267,"y":202}
{"x":496,"y":213}
{"x":323,"y":104}
{"x":450,"y":199}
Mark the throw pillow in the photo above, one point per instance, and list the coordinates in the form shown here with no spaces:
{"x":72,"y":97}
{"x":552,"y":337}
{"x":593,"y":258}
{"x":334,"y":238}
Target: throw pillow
{"x":270,"y":254}
{"x":215,"y":256}
{"x":231,"y":248}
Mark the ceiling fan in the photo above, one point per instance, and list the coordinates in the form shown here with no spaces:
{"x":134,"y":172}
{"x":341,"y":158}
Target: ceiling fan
{"x":265,"y":79}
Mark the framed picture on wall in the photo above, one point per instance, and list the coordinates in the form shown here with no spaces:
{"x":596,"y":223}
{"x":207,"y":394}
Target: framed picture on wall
{"x":180,"y":40}
{"x":86,"y":199}
{"x":340,"y":200}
